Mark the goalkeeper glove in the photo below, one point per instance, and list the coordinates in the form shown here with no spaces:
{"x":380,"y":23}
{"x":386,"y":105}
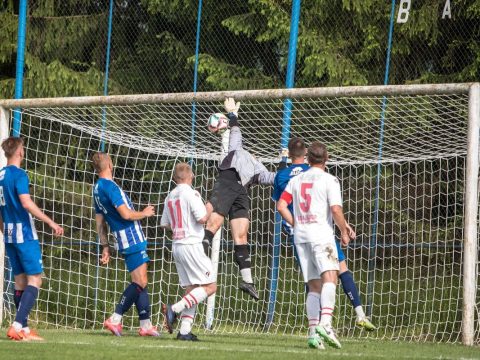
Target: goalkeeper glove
{"x":231,"y":106}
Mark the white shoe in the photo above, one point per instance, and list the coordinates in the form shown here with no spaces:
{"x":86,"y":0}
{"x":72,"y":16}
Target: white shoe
{"x":327,"y":334}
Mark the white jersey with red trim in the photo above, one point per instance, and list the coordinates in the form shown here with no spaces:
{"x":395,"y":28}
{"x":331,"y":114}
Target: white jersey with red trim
{"x":182,"y":210}
{"x":313,"y":192}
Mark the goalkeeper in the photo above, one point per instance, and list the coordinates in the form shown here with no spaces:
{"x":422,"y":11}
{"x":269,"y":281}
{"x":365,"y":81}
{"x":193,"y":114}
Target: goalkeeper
{"x":238,"y":171}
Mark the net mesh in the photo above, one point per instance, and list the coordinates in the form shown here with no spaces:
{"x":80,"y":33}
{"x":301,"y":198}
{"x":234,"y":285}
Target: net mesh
{"x":408,"y":274}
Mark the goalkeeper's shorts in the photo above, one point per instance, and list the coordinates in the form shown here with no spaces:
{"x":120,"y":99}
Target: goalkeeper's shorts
{"x":229,"y":198}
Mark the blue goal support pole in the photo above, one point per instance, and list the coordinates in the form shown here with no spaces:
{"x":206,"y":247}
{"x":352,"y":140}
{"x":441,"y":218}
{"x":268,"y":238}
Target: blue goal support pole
{"x":104,"y":125}
{"x":20,"y":66}
{"x":107,"y":69}
{"x":287,"y":114}
{"x":195,"y":71}
{"x":372,"y":250}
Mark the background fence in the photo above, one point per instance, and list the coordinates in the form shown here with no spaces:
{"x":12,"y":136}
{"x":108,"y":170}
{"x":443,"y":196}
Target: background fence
{"x":242,"y":44}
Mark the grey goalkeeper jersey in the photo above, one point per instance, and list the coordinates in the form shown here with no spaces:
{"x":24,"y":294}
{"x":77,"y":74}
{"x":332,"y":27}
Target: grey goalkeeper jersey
{"x":250,"y":170}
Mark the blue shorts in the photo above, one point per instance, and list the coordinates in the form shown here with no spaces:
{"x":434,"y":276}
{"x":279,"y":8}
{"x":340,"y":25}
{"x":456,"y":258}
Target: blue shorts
{"x":135,"y":256}
{"x":25,"y":258}
{"x":341,"y":255}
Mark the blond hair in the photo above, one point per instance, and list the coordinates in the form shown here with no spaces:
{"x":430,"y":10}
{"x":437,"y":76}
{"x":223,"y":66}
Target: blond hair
{"x":100,"y":161}
{"x":182,"y":172}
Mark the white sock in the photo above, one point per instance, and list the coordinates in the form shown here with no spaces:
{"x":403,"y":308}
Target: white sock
{"x":187,"y":316}
{"x":359,"y":311}
{"x":328,"y":303}
{"x":26,"y":330}
{"x":247,"y":275}
{"x":312,"y":306}
{"x":17,"y":326}
{"x":194,"y":297}
{"x":146,"y":324}
{"x":116,"y":318}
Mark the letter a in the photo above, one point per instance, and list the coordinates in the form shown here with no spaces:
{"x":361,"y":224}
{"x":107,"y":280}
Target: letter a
{"x":447,"y":10}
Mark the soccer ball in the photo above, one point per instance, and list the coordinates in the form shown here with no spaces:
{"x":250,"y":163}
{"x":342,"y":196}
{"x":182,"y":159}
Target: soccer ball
{"x":217,"y":123}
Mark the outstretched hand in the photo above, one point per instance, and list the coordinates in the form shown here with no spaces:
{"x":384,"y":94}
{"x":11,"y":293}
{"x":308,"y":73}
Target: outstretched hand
{"x":231,"y":106}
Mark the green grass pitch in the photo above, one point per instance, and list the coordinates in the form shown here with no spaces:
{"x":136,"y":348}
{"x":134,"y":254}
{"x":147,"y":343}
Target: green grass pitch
{"x":82,"y":345}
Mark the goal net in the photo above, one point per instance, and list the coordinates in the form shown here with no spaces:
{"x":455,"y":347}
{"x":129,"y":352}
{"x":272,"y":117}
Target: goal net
{"x":404,"y":192}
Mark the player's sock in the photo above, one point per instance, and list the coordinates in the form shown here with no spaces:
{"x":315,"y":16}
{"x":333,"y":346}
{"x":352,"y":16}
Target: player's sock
{"x":187,"y":316}
{"x":247,"y":275}
{"x":328,"y":303}
{"x":242,"y":258}
{"x":116,"y":318}
{"x":129,"y":296}
{"x":143,"y":307}
{"x":17,"y":326}
{"x":27,"y":301}
{"x":17,"y":295}
{"x":145,"y":324}
{"x":312,"y":306}
{"x":207,"y":240}
{"x":194,"y":297}
{"x":350,"y":289}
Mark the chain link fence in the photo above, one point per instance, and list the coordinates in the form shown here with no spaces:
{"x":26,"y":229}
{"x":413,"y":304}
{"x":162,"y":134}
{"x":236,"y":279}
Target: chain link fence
{"x":242,"y":44}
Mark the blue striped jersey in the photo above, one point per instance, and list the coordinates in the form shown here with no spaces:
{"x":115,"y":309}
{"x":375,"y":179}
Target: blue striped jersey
{"x":107,"y":197}
{"x":18,"y":225}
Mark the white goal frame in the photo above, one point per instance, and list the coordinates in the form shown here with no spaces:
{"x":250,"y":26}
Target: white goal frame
{"x":470,"y":247}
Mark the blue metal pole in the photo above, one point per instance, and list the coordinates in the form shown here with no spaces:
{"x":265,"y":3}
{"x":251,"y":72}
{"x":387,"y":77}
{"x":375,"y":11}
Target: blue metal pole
{"x":287,"y":114}
{"x":21,"y":39}
{"x":195,"y":71}
{"x":373,"y":240}
{"x":107,"y":68}
{"x":104,"y":124}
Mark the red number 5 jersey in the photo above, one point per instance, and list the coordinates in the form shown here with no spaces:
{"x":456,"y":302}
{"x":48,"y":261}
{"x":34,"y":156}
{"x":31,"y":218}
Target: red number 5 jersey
{"x":313,"y":192}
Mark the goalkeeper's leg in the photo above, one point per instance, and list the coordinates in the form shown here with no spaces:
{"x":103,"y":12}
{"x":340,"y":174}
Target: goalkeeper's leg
{"x":239,"y":228}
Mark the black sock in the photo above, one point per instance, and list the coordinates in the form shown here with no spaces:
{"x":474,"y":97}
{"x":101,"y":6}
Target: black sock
{"x":207,"y":240}
{"x":242,"y":256}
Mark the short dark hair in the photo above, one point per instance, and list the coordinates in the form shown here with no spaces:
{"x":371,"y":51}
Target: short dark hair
{"x":10,"y":145}
{"x":296,"y":147}
{"x":317,"y":153}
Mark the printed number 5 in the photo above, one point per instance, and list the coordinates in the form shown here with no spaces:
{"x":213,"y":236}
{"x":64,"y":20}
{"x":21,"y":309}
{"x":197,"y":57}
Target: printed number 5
{"x":2,"y":197}
{"x":304,"y":192}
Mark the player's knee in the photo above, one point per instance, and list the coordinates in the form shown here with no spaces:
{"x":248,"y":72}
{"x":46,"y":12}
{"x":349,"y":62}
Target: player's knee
{"x":211,"y":288}
{"x":314,"y":286}
{"x":20,"y":282}
{"x":343,"y":267}
{"x":35,"y":280}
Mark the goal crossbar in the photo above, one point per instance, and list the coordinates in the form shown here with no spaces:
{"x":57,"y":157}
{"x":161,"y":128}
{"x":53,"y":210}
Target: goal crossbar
{"x":380,"y":90}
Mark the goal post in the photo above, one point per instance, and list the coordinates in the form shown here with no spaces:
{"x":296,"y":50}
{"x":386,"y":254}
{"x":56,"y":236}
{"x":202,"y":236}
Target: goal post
{"x":419,"y":280}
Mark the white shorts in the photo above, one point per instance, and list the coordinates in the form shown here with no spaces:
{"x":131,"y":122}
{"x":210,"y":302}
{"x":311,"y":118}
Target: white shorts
{"x":193,"y":266}
{"x":316,"y":258}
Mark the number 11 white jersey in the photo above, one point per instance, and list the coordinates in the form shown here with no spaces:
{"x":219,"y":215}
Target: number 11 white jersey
{"x":182,"y":209}
{"x":313,"y":192}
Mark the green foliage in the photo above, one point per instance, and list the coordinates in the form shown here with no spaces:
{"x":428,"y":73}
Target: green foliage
{"x":244,"y":45}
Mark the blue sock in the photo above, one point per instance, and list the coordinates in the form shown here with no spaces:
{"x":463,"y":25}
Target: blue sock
{"x":129,"y":296}
{"x":27,"y":301}
{"x":143,"y":305}
{"x":350,"y":288}
{"x":17,"y":296}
